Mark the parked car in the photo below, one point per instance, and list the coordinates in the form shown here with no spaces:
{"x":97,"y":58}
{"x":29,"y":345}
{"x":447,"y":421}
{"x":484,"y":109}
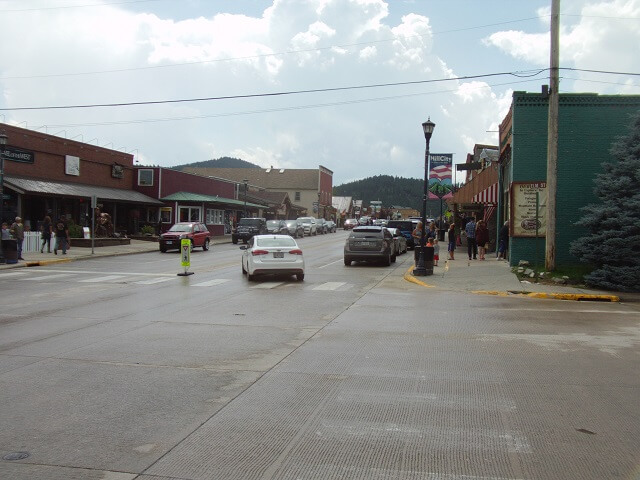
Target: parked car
{"x":247,"y":228}
{"x":294,"y":228}
{"x":272,"y":254}
{"x":309,"y":225}
{"x":278,"y":227}
{"x":349,"y":223}
{"x":321,"y":226}
{"x":364,"y":220}
{"x":370,"y":243}
{"x":380,"y":221}
{"x":399,"y":239}
{"x":331,"y":226}
{"x":197,"y":233}
{"x":406,"y":227}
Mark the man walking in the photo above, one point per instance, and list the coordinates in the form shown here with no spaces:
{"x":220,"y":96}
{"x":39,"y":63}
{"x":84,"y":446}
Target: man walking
{"x":62,"y":236}
{"x":17,"y":230}
{"x":470,"y":230}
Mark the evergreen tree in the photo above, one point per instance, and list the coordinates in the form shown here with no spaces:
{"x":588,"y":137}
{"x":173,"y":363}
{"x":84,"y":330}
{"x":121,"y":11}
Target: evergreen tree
{"x":613,"y":244}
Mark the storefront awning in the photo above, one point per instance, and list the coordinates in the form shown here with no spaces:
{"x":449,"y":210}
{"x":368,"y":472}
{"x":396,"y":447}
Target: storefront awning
{"x":44,"y":187}
{"x":199,"y":197}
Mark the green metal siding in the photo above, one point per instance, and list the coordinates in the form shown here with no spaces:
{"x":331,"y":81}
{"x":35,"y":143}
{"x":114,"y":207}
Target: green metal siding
{"x":588,"y":124}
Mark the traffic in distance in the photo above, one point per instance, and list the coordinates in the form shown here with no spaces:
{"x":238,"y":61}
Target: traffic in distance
{"x":270,"y":247}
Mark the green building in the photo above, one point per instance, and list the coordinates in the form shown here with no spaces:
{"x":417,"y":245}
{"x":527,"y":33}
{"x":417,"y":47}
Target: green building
{"x":588,"y":124}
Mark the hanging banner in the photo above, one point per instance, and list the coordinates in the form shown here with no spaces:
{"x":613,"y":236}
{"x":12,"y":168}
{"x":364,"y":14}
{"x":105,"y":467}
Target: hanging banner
{"x":440,"y":185}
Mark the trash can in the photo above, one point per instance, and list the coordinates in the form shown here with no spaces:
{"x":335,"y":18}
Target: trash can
{"x":10,"y":250}
{"x":428,"y":259}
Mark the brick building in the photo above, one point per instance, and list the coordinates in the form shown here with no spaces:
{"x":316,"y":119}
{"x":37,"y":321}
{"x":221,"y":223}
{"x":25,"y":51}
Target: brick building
{"x":588,"y":124}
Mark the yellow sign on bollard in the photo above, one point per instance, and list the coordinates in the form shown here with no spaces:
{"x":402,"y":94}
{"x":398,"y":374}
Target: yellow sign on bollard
{"x":185,"y":256}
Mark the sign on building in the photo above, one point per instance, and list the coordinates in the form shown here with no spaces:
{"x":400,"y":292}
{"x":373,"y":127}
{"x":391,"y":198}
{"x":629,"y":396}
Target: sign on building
{"x":528,"y":209}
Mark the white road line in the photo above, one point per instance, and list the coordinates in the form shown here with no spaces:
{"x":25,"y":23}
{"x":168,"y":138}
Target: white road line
{"x":211,"y":283}
{"x":48,"y":277}
{"x":267,"y":285}
{"x":337,"y":261}
{"x":152,"y":281}
{"x":329,"y":286}
{"x":11,"y":274}
{"x":108,"y":278}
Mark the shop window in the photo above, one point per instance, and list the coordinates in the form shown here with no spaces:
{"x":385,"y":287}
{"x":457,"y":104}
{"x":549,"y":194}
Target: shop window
{"x":190,"y":214}
{"x":214,"y":217}
{"x":165,"y":215}
{"x":145,"y":177}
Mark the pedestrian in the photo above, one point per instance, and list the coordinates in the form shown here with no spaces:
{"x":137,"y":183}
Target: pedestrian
{"x":433,"y":231}
{"x":6,"y":234}
{"x":482,"y":238}
{"x":46,"y":234}
{"x":62,"y":236}
{"x":503,"y":239}
{"x":17,"y":231}
{"x":452,"y":241}
{"x":470,"y":230}
{"x":436,"y":251}
{"x":417,"y":241}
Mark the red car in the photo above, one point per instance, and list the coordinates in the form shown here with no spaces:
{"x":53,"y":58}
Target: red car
{"x":198,"y":233}
{"x":350,"y":223}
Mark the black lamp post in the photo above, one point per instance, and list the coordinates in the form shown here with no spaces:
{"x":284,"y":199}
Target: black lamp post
{"x":421,"y":269}
{"x":245,"y":181}
{"x":3,"y":142}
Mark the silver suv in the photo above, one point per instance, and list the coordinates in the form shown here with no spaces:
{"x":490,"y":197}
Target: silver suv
{"x":309,"y":225}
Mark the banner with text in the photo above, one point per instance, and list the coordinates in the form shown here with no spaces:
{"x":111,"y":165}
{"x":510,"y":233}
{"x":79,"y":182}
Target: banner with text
{"x":440,"y":185}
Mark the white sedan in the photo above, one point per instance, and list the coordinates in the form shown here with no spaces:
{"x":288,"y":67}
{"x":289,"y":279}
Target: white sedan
{"x":272,"y":254}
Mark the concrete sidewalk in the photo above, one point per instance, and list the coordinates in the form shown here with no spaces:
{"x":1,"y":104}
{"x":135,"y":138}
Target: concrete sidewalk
{"x":491,"y":276}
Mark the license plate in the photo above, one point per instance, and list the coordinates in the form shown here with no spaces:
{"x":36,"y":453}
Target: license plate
{"x":278,"y":254}
{"x":168,"y":242}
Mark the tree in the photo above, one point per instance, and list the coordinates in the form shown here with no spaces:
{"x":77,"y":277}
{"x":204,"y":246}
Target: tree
{"x":613,"y":244}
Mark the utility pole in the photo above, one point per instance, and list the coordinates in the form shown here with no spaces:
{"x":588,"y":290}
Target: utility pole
{"x":552,"y":138}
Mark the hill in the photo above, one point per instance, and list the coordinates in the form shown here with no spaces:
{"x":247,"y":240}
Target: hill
{"x":222,"y":162}
{"x":392,"y":191}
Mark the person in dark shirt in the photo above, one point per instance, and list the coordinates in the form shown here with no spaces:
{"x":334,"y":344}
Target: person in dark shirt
{"x":62,"y":236}
{"x":452,"y":241}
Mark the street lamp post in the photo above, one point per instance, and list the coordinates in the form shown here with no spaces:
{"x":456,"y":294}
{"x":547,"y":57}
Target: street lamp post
{"x":245,"y":181}
{"x":421,"y":269}
{"x":3,"y":142}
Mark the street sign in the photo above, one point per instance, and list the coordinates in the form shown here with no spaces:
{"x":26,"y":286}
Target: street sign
{"x":185,"y":256}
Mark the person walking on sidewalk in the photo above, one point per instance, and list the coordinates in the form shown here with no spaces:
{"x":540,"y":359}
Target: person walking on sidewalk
{"x":482,"y":238}
{"x":470,"y":230}
{"x":62,"y":236}
{"x":46,"y":234}
{"x":6,"y":234}
{"x":452,"y":240}
{"x":17,"y":230}
{"x":503,"y":238}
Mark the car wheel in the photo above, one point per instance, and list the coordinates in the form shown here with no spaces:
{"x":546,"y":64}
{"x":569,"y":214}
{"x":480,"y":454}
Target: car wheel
{"x":300,"y":276}
{"x":244,"y":271}
{"x":393,"y":258}
{"x":347,"y":261}
{"x":387,"y":261}
{"x":251,"y":277}
{"x":234,"y":240}
{"x":205,"y":246}
{"x":163,"y":249}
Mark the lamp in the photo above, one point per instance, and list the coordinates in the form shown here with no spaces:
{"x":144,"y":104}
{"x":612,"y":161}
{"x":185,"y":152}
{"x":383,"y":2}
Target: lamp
{"x":421,"y":270}
{"x":3,"y":143}
{"x":245,"y":181}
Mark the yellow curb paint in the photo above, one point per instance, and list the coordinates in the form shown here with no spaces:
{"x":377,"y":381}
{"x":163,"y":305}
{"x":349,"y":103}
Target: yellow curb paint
{"x":575,"y":296}
{"x":47,"y":262}
{"x":490,"y":292}
{"x":410,"y":278}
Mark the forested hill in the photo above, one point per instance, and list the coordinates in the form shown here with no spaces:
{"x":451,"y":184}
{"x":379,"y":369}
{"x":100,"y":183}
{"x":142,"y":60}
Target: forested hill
{"x":223,"y":162}
{"x":396,"y":191}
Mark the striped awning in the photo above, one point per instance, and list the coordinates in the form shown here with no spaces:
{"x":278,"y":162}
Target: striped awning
{"x":488,"y":196}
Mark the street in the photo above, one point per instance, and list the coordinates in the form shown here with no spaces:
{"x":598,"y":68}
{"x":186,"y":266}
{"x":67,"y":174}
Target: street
{"x":118,"y":368}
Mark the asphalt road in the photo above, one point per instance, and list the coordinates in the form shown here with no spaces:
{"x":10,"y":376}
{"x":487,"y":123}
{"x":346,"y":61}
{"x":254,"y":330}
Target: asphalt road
{"x":117,"y":368}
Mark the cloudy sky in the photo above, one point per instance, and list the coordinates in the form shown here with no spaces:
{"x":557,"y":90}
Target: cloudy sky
{"x":299,"y":83}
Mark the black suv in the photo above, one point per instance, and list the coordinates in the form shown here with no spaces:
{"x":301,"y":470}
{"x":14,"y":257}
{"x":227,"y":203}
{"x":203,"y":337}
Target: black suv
{"x":406,"y":227}
{"x":370,"y":243}
{"x":247,"y":228}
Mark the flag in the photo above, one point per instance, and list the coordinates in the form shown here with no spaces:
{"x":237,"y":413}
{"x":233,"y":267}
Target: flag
{"x":440,"y":185}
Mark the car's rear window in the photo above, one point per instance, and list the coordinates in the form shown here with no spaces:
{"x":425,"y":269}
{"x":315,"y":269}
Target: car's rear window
{"x":275,"y":242}
{"x":250,"y":221}
{"x":402,"y":225}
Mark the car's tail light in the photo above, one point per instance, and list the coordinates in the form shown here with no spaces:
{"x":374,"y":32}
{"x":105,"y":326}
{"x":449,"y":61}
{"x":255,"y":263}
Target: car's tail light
{"x":295,"y":251}
{"x":259,"y":252}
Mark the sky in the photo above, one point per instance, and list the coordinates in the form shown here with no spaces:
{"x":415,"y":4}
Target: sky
{"x":345,"y":84}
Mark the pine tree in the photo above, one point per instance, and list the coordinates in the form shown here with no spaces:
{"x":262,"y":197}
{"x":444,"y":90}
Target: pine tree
{"x":613,"y":244}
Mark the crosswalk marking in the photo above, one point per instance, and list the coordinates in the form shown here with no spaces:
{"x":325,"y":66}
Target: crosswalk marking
{"x":210,"y":283}
{"x":11,"y":274}
{"x":267,"y":285}
{"x":48,"y":277}
{"x":329,"y":286}
{"x":108,"y":278}
{"x":152,"y":281}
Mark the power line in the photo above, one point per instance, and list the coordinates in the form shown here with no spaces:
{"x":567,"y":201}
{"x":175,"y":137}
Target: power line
{"x":278,"y":94}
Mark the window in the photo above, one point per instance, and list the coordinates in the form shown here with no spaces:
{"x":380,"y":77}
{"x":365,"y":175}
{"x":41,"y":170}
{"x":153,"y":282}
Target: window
{"x":165,"y":215}
{"x":152,"y":215}
{"x":297,"y":197}
{"x":214,"y":217}
{"x":145,"y":177}
{"x":189,"y":214}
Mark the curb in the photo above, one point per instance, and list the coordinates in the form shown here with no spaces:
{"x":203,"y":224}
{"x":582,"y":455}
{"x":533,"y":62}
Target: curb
{"x":554,"y":296}
{"x":410,"y":278}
